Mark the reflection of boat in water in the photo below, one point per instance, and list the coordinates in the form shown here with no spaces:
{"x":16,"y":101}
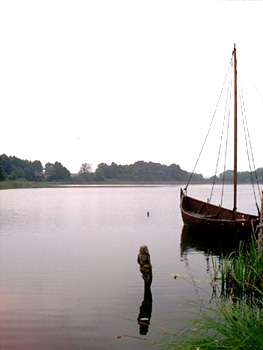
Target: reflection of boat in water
{"x":202,"y":241}
{"x":206,"y":216}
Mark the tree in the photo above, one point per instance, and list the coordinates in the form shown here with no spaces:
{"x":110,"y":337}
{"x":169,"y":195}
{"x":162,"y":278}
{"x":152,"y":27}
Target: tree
{"x":16,"y":168}
{"x":49,"y":171}
{"x":37,"y":170}
{"x":6,"y":163}
{"x":56,"y":172}
{"x":2,"y":172}
{"x":101,"y":172}
{"x":84,"y":173}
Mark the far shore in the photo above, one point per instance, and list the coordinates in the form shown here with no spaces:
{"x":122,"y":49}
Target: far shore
{"x":16,"y":184}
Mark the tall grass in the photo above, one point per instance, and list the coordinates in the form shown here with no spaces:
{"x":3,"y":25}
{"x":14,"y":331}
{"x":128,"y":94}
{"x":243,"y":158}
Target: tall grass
{"x":225,"y":326}
{"x":241,"y":273}
{"x":235,"y":321}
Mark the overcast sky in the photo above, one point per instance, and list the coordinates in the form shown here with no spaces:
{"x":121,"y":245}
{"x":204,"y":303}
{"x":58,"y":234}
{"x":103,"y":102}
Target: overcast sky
{"x":122,"y":81}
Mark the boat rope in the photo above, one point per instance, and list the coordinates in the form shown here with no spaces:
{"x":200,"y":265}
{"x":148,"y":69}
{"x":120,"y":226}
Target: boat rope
{"x":226,"y":148}
{"x":227,"y":112}
{"x":191,"y":175}
{"x":258,"y":92}
{"x":249,"y":147}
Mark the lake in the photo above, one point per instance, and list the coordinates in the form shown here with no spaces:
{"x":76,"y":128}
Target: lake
{"x":69,"y":277}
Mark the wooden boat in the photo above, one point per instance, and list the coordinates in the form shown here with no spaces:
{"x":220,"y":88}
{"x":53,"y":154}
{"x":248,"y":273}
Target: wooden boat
{"x":203,"y":215}
{"x":206,"y":216}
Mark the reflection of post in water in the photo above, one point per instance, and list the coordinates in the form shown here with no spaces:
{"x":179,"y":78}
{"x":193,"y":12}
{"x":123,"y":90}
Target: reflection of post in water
{"x":145,"y":311}
{"x":146,"y":306}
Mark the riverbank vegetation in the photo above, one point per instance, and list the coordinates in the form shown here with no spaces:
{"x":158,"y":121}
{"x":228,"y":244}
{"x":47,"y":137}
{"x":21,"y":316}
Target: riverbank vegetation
{"x":235,"y":318}
{"x":240,"y":274}
{"x":225,"y":326}
{"x":15,"y":169}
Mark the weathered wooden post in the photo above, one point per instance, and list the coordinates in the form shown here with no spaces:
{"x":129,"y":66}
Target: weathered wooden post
{"x":146,"y":307}
{"x":144,"y":261}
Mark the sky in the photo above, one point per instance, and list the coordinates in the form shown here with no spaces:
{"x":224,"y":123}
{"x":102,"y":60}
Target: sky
{"x":122,"y":81}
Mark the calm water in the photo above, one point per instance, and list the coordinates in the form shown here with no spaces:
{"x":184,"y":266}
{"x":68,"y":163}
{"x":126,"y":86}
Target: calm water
{"x":69,"y":277}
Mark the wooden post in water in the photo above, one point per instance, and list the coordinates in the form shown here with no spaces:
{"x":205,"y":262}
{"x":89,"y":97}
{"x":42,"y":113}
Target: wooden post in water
{"x":145,"y":313}
{"x":144,"y":261}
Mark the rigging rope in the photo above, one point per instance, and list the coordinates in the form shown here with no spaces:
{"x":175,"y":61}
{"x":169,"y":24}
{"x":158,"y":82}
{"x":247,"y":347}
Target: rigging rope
{"x":224,"y":173}
{"x":222,"y":134}
{"x":190,"y":177}
{"x":250,"y":156}
{"x":247,"y":139}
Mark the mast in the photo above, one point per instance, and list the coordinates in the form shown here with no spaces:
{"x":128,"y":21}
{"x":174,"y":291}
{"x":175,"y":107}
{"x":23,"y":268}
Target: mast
{"x":235,"y":133}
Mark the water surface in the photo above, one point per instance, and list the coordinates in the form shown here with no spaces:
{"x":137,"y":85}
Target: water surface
{"x":69,"y":277}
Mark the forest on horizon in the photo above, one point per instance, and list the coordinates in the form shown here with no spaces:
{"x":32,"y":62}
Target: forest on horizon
{"x":13,"y":168}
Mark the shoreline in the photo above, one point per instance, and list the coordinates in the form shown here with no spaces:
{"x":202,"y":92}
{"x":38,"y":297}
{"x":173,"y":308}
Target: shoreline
{"x":19,"y":184}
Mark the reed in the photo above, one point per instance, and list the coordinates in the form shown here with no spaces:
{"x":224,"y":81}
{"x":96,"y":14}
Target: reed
{"x":235,"y":321}
{"x":225,"y":326}
{"x":241,"y":273}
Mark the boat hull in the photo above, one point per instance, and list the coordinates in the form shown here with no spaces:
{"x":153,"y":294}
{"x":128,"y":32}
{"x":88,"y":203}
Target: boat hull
{"x":205,"y":216}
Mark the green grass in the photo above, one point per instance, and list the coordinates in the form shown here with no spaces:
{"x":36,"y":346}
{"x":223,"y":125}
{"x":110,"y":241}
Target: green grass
{"x":235,"y":321}
{"x":15,"y":184}
{"x":8,"y":184}
{"x":225,"y":326}
{"x":241,"y":273}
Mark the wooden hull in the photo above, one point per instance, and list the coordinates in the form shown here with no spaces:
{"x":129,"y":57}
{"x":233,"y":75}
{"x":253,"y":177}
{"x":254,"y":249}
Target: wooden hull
{"x":206,"y":216}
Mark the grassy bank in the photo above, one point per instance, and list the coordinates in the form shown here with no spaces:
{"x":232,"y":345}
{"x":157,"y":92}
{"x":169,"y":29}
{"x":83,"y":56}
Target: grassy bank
{"x":8,"y":184}
{"x":4,"y":185}
{"x":21,"y":183}
{"x":15,"y":184}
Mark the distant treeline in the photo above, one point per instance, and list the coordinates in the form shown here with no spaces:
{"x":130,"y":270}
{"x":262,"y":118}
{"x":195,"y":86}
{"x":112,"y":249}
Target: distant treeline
{"x":143,"y":172}
{"x":243,"y":177}
{"x":13,"y":168}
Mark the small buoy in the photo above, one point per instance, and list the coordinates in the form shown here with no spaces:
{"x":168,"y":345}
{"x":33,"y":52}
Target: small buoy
{"x":148,"y":214}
